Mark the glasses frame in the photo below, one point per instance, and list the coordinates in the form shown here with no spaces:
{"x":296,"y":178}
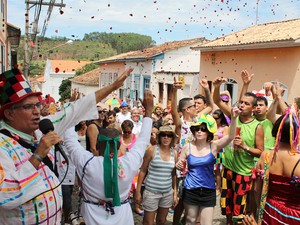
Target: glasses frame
{"x":38,"y":105}
{"x":165,"y":134}
{"x":200,"y":128}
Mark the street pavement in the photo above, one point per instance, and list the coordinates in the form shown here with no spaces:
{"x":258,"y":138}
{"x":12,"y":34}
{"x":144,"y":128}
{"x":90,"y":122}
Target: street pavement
{"x":218,"y":218}
{"x":138,"y":220}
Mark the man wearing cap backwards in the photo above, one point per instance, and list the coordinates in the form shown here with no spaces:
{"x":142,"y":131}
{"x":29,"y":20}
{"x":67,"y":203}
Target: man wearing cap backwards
{"x":124,"y":114}
{"x":29,"y":190}
{"x":106,"y":179}
{"x":239,"y":157}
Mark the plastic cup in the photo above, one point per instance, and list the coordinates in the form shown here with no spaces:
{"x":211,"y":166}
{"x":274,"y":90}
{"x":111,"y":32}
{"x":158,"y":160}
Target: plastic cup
{"x":238,"y":131}
{"x":183,"y":165}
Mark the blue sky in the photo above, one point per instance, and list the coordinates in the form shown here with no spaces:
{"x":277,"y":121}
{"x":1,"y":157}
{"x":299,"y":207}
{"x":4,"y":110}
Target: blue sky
{"x":163,"y":20}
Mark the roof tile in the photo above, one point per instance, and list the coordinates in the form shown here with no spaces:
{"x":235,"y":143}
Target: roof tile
{"x":90,"y":78}
{"x":263,"y":33}
{"x":67,"y":66}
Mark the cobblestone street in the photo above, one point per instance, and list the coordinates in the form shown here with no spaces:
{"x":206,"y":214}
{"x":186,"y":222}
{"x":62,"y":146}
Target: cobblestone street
{"x":218,"y":218}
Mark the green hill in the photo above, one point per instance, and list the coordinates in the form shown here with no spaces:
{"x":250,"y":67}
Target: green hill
{"x":94,"y":46}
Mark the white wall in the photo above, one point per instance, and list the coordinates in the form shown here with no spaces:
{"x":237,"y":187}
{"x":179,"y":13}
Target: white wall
{"x":85,"y":89}
{"x":53,"y":81}
{"x":183,"y":59}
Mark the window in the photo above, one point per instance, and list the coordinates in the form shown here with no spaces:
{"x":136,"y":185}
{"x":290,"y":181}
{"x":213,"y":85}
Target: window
{"x":110,"y":78}
{"x":136,"y":89}
{"x":2,"y":8}
{"x":160,"y":92}
{"x":147,"y":82}
{"x":2,"y":58}
{"x":115,"y":76}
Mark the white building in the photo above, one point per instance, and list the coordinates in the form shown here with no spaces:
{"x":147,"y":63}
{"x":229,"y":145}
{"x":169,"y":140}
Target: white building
{"x":155,"y":68}
{"x":56,"y":71}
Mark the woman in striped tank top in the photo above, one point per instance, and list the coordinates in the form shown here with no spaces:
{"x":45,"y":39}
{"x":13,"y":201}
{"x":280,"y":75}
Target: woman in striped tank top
{"x":160,"y":185}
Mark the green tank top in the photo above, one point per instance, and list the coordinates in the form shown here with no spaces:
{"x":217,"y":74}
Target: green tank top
{"x":240,"y":161}
{"x":269,"y":140}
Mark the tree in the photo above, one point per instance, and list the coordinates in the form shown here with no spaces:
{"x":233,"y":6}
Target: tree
{"x":122,"y":42}
{"x":86,"y":68}
{"x":65,"y":90}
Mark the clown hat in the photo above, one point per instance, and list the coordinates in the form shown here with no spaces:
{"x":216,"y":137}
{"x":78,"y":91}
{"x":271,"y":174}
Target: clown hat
{"x":13,"y":88}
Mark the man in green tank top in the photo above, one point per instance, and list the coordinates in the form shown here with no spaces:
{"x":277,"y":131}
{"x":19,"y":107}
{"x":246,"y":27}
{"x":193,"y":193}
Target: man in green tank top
{"x":239,"y":155}
{"x":261,"y":116}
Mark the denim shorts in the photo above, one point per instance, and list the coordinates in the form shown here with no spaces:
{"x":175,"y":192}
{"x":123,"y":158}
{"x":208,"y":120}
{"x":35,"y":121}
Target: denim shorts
{"x":151,"y":201}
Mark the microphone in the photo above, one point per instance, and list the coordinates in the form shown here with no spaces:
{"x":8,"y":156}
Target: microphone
{"x":46,"y":126}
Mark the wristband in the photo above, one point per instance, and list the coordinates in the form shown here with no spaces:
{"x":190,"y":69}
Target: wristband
{"x":38,"y":157}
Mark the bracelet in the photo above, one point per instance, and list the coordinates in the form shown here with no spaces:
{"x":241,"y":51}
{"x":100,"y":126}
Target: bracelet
{"x":38,"y":157}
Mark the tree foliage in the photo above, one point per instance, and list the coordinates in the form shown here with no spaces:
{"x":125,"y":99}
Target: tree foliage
{"x":122,"y":42}
{"x":86,"y":68}
{"x":65,"y":90}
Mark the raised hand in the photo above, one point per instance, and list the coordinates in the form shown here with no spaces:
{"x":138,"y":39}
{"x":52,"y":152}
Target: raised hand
{"x":147,"y":102}
{"x":204,"y":83}
{"x":177,"y":84}
{"x":246,"y":77}
{"x":119,"y":82}
{"x":218,"y":81}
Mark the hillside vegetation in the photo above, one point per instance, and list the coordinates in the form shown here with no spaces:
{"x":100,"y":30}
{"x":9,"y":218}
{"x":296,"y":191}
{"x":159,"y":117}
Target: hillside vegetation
{"x":94,"y":46}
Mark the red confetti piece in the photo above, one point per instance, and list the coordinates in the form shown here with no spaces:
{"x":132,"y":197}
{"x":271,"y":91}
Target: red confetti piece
{"x":56,"y":70}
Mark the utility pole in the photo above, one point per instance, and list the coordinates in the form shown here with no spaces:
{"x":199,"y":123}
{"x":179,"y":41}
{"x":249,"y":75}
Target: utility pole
{"x":28,"y":49}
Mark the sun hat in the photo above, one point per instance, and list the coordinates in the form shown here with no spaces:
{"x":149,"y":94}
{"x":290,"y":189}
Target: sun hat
{"x":13,"y":88}
{"x":167,"y":128}
{"x":210,"y":123}
{"x":158,"y":105}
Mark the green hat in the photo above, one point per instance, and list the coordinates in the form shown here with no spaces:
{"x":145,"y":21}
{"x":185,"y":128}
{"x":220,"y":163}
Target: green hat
{"x":210,"y":123}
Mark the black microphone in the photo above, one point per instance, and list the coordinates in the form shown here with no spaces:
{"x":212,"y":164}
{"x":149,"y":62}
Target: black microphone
{"x":46,"y":126}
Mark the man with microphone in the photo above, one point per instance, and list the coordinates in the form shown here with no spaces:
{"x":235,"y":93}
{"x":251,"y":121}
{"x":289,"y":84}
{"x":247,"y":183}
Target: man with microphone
{"x":29,"y":190}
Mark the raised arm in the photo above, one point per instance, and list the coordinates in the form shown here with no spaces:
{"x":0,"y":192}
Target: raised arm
{"x":104,"y":92}
{"x":225,"y":140}
{"x":277,"y":104}
{"x":246,"y":78}
{"x":226,"y":109}
{"x":209,"y":101}
{"x":175,"y":115}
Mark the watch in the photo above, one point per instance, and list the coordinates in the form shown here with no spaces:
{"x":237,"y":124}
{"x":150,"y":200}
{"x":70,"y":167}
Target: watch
{"x":247,"y":148}
{"x":38,"y":157}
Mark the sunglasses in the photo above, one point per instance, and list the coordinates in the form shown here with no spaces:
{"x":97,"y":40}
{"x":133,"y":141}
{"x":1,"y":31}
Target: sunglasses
{"x":127,"y":132}
{"x":200,"y":128}
{"x":191,"y":106}
{"x":169,"y":135}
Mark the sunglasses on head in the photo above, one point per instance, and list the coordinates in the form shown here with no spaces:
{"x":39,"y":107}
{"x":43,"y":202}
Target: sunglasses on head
{"x":200,"y":128}
{"x":163,"y":134}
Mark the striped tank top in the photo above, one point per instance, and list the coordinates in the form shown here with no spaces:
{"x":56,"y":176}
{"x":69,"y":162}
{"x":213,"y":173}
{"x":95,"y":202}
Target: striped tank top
{"x":159,"y":177}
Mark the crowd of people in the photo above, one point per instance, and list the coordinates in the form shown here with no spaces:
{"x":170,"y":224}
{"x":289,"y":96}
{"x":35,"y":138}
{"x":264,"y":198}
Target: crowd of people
{"x":178,"y":158}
